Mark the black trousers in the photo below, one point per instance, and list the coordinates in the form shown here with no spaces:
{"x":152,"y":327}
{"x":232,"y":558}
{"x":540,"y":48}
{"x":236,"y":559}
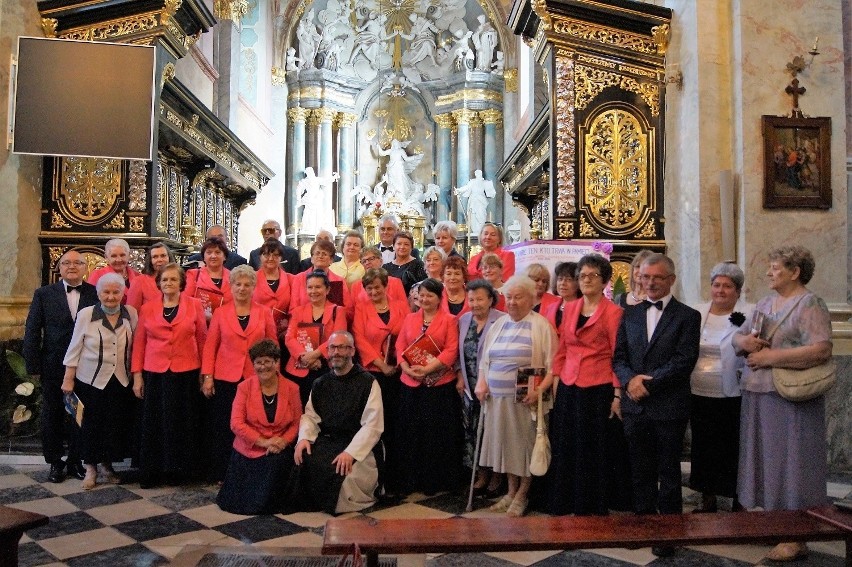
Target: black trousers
{"x":57,"y":427}
{"x":655,"y":449}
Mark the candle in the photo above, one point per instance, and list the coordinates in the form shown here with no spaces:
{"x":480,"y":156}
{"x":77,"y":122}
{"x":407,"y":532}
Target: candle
{"x":816,"y":44}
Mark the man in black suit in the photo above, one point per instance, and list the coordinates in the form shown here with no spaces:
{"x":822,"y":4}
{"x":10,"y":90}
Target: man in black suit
{"x":271,"y":230}
{"x":654,"y":375}
{"x":232,"y":261}
{"x":323,"y":234}
{"x":50,"y":324}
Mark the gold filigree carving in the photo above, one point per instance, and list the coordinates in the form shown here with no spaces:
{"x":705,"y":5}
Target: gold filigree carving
{"x":234,"y":10}
{"x":649,"y":230}
{"x":661,"y":36}
{"x":48,"y":26}
{"x":89,"y":188}
{"x":113,"y":28}
{"x":510,"y":80}
{"x":465,"y":116}
{"x":540,"y":9}
{"x":586,"y":230}
{"x":566,"y":230}
{"x":56,"y":221}
{"x":604,"y":35}
{"x":117,"y":222}
{"x":137,"y":179}
{"x":491,"y":116}
{"x":590,"y":81}
{"x":445,"y":121}
{"x":298,"y":114}
{"x":136,"y":224}
{"x":346,"y":119}
{"x":168,"y":73}
{"x":615,"y":158}
{"x":566,"y":189}
{"x":55,"y":253}
{"x":170,"y":8}
{"x":470,"y":95}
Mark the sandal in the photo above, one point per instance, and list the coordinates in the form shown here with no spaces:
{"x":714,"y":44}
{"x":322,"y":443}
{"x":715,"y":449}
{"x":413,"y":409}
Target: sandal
{"x":502,"y":505}
{"x":110,"y":475}
{"x":518,"y":508}
{"x":90,"y":480}
{"x":788,"y":551}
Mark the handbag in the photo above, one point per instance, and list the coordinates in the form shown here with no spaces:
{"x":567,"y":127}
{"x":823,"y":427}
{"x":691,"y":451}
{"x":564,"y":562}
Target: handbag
{"x":540,"y":458}
{"x":801,"y":385}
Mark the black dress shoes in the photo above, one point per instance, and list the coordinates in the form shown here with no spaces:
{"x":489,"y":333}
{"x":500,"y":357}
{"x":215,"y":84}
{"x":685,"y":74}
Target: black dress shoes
{"x":57,"y":472}
{"x":663,"y":550}
{"x":77,"y":470}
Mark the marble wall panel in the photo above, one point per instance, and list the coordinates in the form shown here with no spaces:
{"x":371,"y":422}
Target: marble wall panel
{"x":838,"y":415}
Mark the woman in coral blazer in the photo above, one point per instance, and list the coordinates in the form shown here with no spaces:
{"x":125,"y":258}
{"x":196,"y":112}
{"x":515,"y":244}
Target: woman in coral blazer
{"x":309,"y":361}
{"x":322,"y":255}
{"x":265,"y":422}
{"x":587,"y":395}
{"x":235,"y":327}
{"x":430,"y":432}
{"x":144,"y":288}
{"x":491,"y":239}
{"x":273,"y":286}
{"x":213,"y":276}
{"x":166,"y":362}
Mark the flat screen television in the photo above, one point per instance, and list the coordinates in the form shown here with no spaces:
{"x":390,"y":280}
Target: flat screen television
{"x":83,"y":98}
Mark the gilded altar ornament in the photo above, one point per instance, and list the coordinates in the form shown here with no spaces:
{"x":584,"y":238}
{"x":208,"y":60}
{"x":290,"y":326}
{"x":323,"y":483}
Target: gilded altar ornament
{"x":566,"y":193}
{"x":136,"y":224}
{"x":117,"y":222}
{"x":661,"y":35}
{"x":540,"y":9}
{"x":491,"y":116}
{"x":445,"y":121}
{"x":55,"y":253}
{"x":510,"y":80}
{"x":590,"y":81}
{"x":234,"y":10}
{"x":48,"y":26}
{"x":89,"y":188}
{"x":649,"y":230}
{"x":168,"y":73}
{"x":56,"y":221}
{"x":137,"y":188}
{"x":616,"y":160}
{"x":586,"y":230}
{"x":605,"y":35}
{"x":566,"y":230}
{"x":297,"y":114}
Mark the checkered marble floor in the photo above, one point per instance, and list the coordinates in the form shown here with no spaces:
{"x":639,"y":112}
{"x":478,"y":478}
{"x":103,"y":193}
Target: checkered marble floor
{"x":115,"y":526}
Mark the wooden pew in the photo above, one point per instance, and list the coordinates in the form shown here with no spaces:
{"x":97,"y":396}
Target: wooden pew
{"x":13,"y":524}
{"x":473,"y":535}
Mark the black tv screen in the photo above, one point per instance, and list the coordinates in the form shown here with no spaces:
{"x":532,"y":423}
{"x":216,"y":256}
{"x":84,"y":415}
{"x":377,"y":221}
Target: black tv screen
{"x":83,"y":98}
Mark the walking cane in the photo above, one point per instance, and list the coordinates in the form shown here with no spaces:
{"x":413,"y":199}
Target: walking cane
{"x":479,"y":428}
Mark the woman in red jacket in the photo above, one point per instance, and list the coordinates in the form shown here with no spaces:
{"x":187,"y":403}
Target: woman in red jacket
{"x":322,"y":255}
{"x":307,"y":335}
{"x":265,"y":422}
{"x":144,"y":288}
{"x":234,"y":328}
{"x":455,"y":278}
{"x":376,"y":327}
{"x":491,"y":240}
{"x":166,"y":360}
{"x":211,"y":282}
{"x":430,"y":431}
{"x":273,"y":286}
{"x":587,"y":395}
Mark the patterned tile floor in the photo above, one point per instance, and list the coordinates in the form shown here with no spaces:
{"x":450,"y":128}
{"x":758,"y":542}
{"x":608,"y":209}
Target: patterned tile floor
{"x":115,"y":526}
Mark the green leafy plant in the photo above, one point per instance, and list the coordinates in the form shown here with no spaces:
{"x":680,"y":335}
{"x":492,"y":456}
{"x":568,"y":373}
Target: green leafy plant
{"x":28,"y":399}
{"x":618,"y":286}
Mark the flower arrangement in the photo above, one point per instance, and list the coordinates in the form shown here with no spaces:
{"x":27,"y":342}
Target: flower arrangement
{"x":604,"y":247}
{"x":26,"y":389}
{"x":737,"y":318}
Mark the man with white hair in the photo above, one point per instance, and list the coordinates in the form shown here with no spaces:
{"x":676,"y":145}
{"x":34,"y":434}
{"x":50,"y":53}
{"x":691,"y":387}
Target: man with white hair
{"x":271,"y":231}
{"x":117,"y":255}
{"x":231,"y":261}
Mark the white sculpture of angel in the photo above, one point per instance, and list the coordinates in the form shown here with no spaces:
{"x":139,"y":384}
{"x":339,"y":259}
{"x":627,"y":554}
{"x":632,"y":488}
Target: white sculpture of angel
{"x":485,"y":41}
{"x":371,"y":36}
{"x":399,"y":168}
{"x":422,"y":38}
{"x":478,"y":192}
{"x":309,"y":39}
{"x":314,"y":193}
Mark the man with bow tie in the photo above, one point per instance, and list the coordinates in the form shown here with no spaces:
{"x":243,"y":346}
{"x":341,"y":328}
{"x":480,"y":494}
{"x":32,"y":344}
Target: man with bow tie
{"x":50,"y":324}
{"x":656,"y":349}
{"x":388,"y":227}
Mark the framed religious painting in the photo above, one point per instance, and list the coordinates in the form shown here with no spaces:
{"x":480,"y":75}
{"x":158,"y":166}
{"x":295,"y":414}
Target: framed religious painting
{"x":796,"y":162}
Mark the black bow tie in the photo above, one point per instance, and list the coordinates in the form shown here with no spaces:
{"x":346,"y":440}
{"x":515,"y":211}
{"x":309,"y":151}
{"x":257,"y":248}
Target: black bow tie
{"x":388,"y":248}
{"x":70,"y":288}
{"x":657,"y":304}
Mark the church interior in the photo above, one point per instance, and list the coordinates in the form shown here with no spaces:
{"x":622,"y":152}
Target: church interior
{"x":710,"y":130}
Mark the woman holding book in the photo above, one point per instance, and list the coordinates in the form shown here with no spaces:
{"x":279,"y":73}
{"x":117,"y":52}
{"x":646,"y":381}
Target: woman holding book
{"x":225,"y":363}
{"x":144,"y":288}
{"x":473,"y":327}
{"x":322,"y":255}
{"x":587,"y":395}
{"x":376,"y":327}
{"x":166,"y":362}
{"x":273,"y":286}
{"x":429,"y":431}
{"x":455,"y":279}
{"x":211,"y":282}
{"x":307,"y":335}
{"x":519,"y":340}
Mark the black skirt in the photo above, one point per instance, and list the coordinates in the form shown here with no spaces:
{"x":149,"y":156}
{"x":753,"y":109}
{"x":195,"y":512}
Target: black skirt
{"x":388,"y":460}
{"x":715,"y":426}
{"x":257,"y":486}
{"x":219,"y":438}
{"x":171,"y":425}
{"x":430,"y":438}
{"x":107,"y":430}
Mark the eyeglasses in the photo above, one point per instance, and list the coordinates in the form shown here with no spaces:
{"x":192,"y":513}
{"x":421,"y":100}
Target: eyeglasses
{"x":321,"y":254}
{"x":340,"y":347}
{"x":269,"y":229}
{"x":588,"y":277}
{"x":72,"y":263}
{"x":655,"y":279}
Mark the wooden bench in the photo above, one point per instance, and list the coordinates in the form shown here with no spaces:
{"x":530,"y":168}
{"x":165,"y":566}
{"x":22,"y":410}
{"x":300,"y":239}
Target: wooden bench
{"x":473,"y":535}
{"x":13,"y":524}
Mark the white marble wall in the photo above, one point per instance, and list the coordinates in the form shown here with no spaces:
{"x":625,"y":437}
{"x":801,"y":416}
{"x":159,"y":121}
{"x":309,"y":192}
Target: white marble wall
{"x":733,"y":55}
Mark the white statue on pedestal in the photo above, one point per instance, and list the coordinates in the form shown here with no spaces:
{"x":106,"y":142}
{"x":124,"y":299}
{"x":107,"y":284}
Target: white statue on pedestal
{"x":314,"y":193}
{"x":309,"y":39}
{"x":370,"y":39}
{"x":292,"y":60}
{"x":478,"y":192}
{"x":398,"y":171}
{"x":485,"y":41}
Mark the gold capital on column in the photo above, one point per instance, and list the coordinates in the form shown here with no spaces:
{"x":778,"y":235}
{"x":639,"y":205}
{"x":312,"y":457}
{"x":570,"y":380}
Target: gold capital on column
{"x":231,"y":9}
{"x":346,"y":119}
{"x":298,"y":114}
{"x":320,"y":115}
{"x":466,"y":116}
{"x":445,"y":121}
{"x":491,"y":116}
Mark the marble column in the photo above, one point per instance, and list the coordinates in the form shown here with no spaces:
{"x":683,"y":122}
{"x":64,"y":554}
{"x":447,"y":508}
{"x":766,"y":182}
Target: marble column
{"x":228,"y":66}
{"x":444,"y":141}
{"x":346,"y":168}
{"x":463,"y":118}
{"x":314,"y":117}
{"x":493,"y":158}
{"x":325,"y":148}
{"x":296,"y":143}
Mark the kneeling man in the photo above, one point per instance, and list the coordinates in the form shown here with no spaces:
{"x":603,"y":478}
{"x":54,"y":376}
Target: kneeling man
{"x":343,"y":421}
